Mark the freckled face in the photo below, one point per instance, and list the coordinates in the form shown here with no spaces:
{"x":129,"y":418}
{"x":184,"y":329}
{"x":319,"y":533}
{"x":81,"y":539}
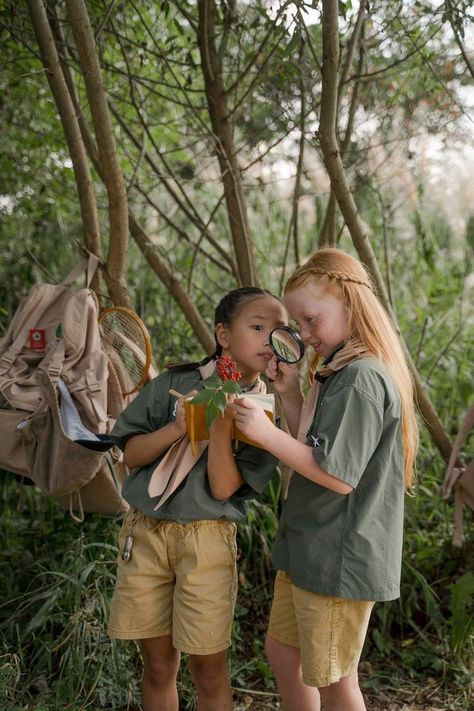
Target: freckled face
{"x":321,"y":317}
{"x":246,"y":339}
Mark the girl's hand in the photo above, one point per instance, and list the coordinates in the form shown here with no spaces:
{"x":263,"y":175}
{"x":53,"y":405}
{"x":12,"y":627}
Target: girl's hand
{"x":252,"y":420}
{"x":180,"y":418}
{"x":284,"y":376}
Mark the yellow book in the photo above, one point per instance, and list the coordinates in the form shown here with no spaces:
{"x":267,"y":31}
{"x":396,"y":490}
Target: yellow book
{"x":196,"y":418}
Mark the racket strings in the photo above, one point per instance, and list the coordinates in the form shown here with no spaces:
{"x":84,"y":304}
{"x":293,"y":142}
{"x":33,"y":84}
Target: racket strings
{"x":123,"y":333}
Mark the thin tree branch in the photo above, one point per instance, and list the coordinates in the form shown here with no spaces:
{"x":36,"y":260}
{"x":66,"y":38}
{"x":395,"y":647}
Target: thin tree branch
{"x":189,"y":213}
{"x":182,"y":233}
{"x":257,"y":54}
{"x":224,"y":144}
{"x":328,"y":235}
{"x":171,"y":281}
{"x":293,"y":225}
{"x":457,"y":37}
{"x":197,"y":246}
{"x":163,"y":272}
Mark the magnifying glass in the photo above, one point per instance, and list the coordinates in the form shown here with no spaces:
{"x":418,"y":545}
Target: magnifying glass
{"x":286,"y":344}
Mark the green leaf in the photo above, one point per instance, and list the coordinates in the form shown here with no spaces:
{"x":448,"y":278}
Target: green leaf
{"x":202,"y":397}
{"x":212,"y":411}
{"x":462,"y":611}
{"x":59,"y":331}
{"x":41,"y":615}
{"x":212,"y":382}
{"x":86,"y":572}
{"x":220,"y":400}
{"x":230,"y":386}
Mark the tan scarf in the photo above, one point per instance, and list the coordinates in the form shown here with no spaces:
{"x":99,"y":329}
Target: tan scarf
{"x":179,"y":459}
{"x":353,"y":350}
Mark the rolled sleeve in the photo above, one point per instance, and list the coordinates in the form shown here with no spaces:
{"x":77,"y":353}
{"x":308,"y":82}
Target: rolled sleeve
{"x":145,"y":412}
{"x":348,"y":434}
{"x":256,"y":467}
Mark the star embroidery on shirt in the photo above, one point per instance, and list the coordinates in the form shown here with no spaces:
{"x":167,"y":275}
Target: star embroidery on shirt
{"x":315,"y":440}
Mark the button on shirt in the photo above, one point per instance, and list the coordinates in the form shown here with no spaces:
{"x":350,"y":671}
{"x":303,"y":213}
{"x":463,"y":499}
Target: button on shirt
{"x":349,"y":545}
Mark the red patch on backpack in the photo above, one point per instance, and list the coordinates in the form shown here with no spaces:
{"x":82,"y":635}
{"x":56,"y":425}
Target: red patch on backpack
{"x":37,"y":339}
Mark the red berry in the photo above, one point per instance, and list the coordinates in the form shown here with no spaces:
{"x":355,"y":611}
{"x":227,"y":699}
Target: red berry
{"x":227,"y":368}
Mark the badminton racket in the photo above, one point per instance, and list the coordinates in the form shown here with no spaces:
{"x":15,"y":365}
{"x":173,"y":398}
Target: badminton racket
{"x":124,"y":332}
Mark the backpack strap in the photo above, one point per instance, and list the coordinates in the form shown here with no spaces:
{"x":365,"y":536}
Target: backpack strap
{"x":55,"y":365}
{"x":10,"y":355}
{"x":77,"y":518}
{"x":87,"y":267}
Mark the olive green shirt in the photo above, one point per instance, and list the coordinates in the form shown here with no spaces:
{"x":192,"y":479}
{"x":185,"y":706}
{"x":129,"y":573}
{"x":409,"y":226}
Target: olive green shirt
{"x":153,"y":408}
{"x":349,"y":545}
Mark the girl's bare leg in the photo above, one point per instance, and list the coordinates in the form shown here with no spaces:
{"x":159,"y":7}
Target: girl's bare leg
{"x":344,"y":695}
{"x":211,"y":678}
{"x":160,"y":669}
{"x":286,"y":664}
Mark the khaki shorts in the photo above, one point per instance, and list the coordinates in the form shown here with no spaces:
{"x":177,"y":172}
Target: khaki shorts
{"x":181,"y":580}
{"x":329,"y":631}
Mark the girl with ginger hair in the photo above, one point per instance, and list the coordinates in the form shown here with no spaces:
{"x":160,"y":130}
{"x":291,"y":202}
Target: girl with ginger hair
{"x":352,"y":449}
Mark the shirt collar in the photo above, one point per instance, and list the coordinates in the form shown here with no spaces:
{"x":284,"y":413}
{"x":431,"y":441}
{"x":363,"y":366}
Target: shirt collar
{"x":323,"y":378}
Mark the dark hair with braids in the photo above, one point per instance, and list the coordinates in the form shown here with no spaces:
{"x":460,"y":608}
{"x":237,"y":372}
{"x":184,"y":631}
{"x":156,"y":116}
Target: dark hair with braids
{"x":226,"y":311}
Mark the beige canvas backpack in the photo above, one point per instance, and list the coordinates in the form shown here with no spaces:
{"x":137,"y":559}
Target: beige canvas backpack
{"x":54,"y":369}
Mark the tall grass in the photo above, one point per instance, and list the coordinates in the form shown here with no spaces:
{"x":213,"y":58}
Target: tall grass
{"x":56,"y":581}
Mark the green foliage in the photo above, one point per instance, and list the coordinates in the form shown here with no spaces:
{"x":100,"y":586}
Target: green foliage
{"x":462,"y":615}
{"x":57,"y":580}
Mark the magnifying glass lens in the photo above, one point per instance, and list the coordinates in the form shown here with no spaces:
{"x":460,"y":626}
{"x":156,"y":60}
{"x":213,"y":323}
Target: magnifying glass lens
{"x":286,"y":344}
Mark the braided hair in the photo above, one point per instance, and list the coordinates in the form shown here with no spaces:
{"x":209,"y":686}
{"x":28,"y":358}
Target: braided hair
{"x":368,"y":323}
{"x":332,"y":265}
{"x":226,"y":311}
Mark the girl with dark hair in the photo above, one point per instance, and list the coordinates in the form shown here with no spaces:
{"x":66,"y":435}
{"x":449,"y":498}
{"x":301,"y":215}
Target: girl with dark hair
{"x":177,"y":580}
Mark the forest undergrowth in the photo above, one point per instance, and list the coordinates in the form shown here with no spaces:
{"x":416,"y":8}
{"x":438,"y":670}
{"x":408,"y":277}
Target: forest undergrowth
{"x":57,"y":577}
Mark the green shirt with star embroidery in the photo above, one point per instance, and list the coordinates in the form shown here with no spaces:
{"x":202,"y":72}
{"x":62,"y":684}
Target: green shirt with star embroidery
{"x":349,"y":545}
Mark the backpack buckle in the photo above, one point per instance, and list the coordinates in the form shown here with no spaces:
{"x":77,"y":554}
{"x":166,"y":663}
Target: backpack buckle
{"x":92,"y":382}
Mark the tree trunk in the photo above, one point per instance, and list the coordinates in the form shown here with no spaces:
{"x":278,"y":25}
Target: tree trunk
{"x":160,"y":268}
{"x":112,"y":174}
{"x":328,"y":234}
{"x":339,"y":183}
{"x":224,"y":144}
{"x":67,"y":114}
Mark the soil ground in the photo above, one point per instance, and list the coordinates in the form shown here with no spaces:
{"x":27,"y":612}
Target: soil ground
{"x":393,"y":700}
{"x":429,"y":697}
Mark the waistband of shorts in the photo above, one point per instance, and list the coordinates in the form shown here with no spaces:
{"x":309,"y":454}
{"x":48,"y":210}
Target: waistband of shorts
{"x":157,"y":523}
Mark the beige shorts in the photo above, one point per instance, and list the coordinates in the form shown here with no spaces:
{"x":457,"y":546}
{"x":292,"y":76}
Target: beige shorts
{"x":329,"y":631}
{"x":181,"y":580}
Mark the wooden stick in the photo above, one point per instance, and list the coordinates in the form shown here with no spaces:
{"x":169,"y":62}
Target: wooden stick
{"x":176,"y":393}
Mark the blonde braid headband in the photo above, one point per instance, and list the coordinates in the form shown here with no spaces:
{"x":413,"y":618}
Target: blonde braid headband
{"x":342,"y":276}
